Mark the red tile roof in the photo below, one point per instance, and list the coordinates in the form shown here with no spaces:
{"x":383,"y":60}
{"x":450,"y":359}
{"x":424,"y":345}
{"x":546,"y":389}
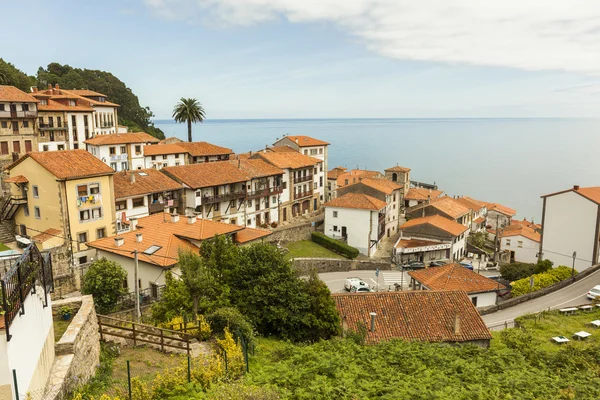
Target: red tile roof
{"x":17,"y":179}
{"x":248,"y":235}
{"x":424,"y":315}
{"x":67,"y":164}
{"x":448,"y":206}
{"x":207,"y":174}
{"x":86,"y":92}
{"x":256,"y":168}
{"x":147,"y":181}
{"x":54,"y":105}
{"x":521,"y":230}
{"x":422,"y":194}
{"x":356,"y":200}
{"x":199,"y":149}
{"x":455,"y":277}
{"x":479,"y":220}
{"x":291,"y":160}
{"x":122,"y":138}
{"x":47,"y":235}
{"x":281,"y":149}
{"x":524,"y":221}
{"x":353,"y":176}
{"x":411,"y":243}
{"x":469,"y":203}
{"x":501,"y":209}
{"x":12,"y":94}
{"x":306,"y":141}
{"x":162,"y":149}
{"x":445,"y":224}
{"x":398,"y":168}
{"x":335,"y":172}
{"x":380,"y":184}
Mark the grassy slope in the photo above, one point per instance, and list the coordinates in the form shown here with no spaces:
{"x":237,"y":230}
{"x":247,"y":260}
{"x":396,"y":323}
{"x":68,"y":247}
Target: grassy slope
{"x":307,"y":248}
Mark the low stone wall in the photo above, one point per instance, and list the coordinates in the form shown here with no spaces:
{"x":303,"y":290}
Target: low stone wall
{"x":305,"y":265}
{"x":539,"y":293}
{"x":77,"y":351}
{"x":293,"y":233}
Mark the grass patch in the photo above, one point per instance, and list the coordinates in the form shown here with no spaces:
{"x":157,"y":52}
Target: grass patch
{"x":144,"y":363}
{"x":60,"y":327}
{"x":3,"y":247}
{"x":308,"y":248}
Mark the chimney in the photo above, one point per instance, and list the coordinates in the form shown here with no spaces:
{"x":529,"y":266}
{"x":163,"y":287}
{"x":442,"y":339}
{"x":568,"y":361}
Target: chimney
{"x":56,"y":86}
{"x":191,"y":219}
{"x":34,"y":89}
{"x":239,"y":163}
{"x":138,"y":237}
{"x":119,"y":241}
{"x":174,"y":218}
{"x":296,"y":141}
{"x":576,"y":187}
{"x":373,"y":315}
{"x":456,"y":324}
{"x":132,"y":177}
{"x":49,"y":86}
{"x":133,"y":223}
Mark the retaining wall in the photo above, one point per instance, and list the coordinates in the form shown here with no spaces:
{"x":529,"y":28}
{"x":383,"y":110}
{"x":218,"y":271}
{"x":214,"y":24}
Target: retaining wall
{"x":305,"y":265}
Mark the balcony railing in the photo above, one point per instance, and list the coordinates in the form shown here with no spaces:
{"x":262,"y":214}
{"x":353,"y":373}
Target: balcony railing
{"x":223,"y":197}
{"x":18,"y":114}
{"x":118,"y":157}
{"x":303,"y":179}
{"x":301,"y":195}
{"x":49,"y":127}
{"x":157,"y":207}
{"x":265,"y":192}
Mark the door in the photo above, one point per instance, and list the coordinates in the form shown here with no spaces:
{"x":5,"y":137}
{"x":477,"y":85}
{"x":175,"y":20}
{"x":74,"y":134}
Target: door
{"x":344,"y":231}
{"x":3,"y":147}
{"x":17,"y":146}
{"x":258,"y":222}
{"x":23,"y":230}
{"x":284,"y":214}
{"x":28,"y":146}
{"x":314,"y":204}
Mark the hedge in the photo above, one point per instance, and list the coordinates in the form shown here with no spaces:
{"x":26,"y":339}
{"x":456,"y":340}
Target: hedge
{"x":334,"y":245}
{"x":540,"y":281}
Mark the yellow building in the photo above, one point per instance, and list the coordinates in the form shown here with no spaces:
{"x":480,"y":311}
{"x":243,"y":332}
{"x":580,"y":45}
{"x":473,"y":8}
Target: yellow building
{"x":18,"y":113}
{"x":65,"y":194}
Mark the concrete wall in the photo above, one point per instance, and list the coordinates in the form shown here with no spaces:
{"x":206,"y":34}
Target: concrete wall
{"x":292,"y":233}
{"x":305,"y":265}
{"x":526,"y":251}
{"x":361,"y":227}
{"x":484,"y":299}
{"x":172,"y":160}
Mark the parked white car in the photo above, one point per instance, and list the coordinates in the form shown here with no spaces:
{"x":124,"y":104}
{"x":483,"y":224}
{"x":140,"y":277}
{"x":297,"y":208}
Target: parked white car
{"x":354,"y":284}
{"x":594,"y":292}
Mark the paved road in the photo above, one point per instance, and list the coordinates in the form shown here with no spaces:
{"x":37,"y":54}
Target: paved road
{"x":571,"y":295}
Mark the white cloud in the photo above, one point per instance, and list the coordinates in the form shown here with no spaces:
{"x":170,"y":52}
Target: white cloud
{"x":524,"y":34}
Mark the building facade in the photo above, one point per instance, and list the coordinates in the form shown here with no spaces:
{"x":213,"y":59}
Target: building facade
{"x":121,"y":151}
{"x":18,"y":118}
{"x":522,"y":242}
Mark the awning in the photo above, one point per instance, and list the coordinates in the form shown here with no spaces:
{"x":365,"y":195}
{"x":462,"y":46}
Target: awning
{"x":17,"y":179}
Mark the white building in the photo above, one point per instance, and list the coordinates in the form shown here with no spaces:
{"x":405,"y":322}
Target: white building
{"x":105,"y":119}
{"x":358,"y":219}
{"x":416,"y":196}
{"x":165,"y":155}
{"x":479,"y":212}
{"x":571,"y":223}
{"x":499,"y":216}
{"x":522,"y":241}
{"x":121,"y":151}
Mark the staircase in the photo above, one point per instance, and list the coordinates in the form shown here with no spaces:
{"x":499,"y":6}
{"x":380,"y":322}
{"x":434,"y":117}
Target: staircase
{"x":10,"y":207}
{"x":7,"y":231}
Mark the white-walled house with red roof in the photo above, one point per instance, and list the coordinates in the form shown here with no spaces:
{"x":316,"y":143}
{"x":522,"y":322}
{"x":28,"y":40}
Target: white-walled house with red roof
{"x":522,"y":241}
{"x":571,"y":223}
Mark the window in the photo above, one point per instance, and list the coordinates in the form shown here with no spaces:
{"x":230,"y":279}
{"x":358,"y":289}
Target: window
{"x":249,"y":203}
{"x":124,"y":166}
{"x":82,"y":237}
{"x":25,"y":107}
{"x":315,"y":171}
{"x":138,"y":202}
{"x":335,"y":228}
{"x":4,"y":124}
{"x":45,"y":148}
{"x":165,"y":165}
{"x":345,"y":181}
{"x":94,"y":188}
{"x":82,"y":190}
{"x":508,"y":242}
{"x":113,"y":165}
{"x":3,"y":147}
{"x":520,"y":243}
{"x":335,"y":214}
{"x":121,"y":205}
{"x":17,"y":146}
{"x":306,"y":152}
{"x":35,"y":191}
{"x":138,"y":149}
{"x":474,"y":301}
{"x":26,"y":210}
{"x":61,"y":147}
{"x":153,"y":158}
{"x":28,"y":146}
{"x":177,"y":164}
{"x":176,"y":155}
{"x":198,"y":193}
{"x":36,"y":212}
{"x":123,"y":149}
{"x":2,"y":107}
{"x":91,"y":214}
{"x":315,"y":185}
{"x":217,"y":206}
{"x":321,"y":152}
{"x":284,"y":185}
{"x":25,"y":124}
{"x":100,"y":233}
{"x":164,"y":156}
{"x":320,"y":181}
{"x":82,"y":260}
{"x":112,"y":151}
{"x":152,"y":249}
{"x":274,"y":200}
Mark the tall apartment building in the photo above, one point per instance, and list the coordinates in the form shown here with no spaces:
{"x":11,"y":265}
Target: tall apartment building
{"x":18,"y":113}
{"x":105,"y":113}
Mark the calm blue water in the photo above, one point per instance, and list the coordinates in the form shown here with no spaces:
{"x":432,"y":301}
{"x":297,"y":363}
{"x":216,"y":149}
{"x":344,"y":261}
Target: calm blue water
{"x":509,"y":161}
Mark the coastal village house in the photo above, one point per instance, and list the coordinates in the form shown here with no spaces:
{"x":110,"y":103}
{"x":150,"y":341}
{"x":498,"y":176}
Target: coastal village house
{"x":165,"y":155}
{"x":384,"y":190}
{"x":478,"y":210}
{"x":401,"y":176}
{"x":332,"y":177}
{"x":446,"y":207}
{"x":522,"y":241}
{"x":142,"y":192}
{"x":571,"y":223}
{"x":105,"y":113}
{"x":418,"y":196}
{"x":18,"y":116}
{"x":301,"y":178}
{"x":431,"y":238}
{"x":499,"y":216}
{"x":121,"y":151}
{"x":158,"y":239}
{"x":358,"y":219}
{"x":202,"y":152}
{"x":423,"y":316}
{"x":482,"y":291}
{"x":68,"y":195}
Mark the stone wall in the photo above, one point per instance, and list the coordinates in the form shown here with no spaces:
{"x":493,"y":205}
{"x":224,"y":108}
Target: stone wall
{"x":77,"y":351}
{"x":305,"y":265}
{"x":293,"y":233}
{"x":66,"y":278}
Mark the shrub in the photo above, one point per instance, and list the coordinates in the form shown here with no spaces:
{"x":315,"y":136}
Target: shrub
{"x":199,"y":328}
{"x":104,"y":281}
{"x":334,"y":245}
{"x":540,"y":281}
{"x":273,"y":224}
{"x":232,"y":318}
{"x":515,"y":271}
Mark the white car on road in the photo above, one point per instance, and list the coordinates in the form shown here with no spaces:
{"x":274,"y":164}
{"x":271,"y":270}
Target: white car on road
{"x":595,"y":292}
{"x":355,"y":284}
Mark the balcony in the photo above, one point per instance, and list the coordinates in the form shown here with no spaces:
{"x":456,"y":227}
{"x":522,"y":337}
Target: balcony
{"x":381,"y":219}
{"x":89,"y":200}
{"x":301,"y":195}
{"x":265,"y":192}
{"x":52,"y":127}
{"x":118,"y":157}
{"x":18,"y":114}
{"x":158,"y":207}
{"x":223,"y":197}
{"x":303,"y":179}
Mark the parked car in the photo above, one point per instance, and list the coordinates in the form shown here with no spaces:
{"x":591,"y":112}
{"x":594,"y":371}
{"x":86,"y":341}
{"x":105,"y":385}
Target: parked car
{"x":413,"y":264}
{"x":594,"y":292}
{"x":355,"y":283}
{"x":361,"y":289}
{"x":437,"y":263}
{"x":466,"y":265}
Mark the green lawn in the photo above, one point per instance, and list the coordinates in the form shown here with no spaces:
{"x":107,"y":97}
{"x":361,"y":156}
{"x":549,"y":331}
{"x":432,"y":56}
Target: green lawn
{"x":307,"y":248}
{"x":3,"y":247}
{"x":60,"y":326}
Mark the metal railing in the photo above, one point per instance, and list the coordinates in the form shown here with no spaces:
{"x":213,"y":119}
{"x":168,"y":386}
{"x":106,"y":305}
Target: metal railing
{"x":303,"y":194}
{"x":223,"y":197}
{"x":147,"y":296}
{"x":265,"y":192}
{"x":303,"y":178}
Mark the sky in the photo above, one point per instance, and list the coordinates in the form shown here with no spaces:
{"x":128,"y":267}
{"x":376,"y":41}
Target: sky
{"x":326,"y":58}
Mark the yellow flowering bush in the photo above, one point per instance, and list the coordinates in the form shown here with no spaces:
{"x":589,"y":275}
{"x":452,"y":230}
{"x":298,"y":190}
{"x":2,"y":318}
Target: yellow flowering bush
{"x":201,"y":330}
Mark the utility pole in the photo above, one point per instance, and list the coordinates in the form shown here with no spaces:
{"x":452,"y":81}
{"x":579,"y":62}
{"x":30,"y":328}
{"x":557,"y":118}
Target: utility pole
{"x":496,"y":244}
{"x":138,"y":313}
{"x":573,"y":269}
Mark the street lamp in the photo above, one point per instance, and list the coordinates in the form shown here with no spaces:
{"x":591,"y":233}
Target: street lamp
{"x":573,"y":269}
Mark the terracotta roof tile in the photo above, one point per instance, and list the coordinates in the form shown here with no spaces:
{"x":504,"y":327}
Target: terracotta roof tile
{"x":480,"y":203}
{"x":248,"y":235}
{"x":121,"y":138}
{"x":381,"y":184}
{"x":445,"y":224}
{"x":448,"y":206}
{"x":469,"y":203}
{"x":54,"y":105}
{"x":353,"y":176}
{"x":11,"y":93}
{"x":86,"y":92}
{"x":356,"y":200}
{"x":199,"y":149}
{"x":47,"y":235}
{"x":146,"y":181}
{"x":423,"y":315}
{"x":521,"y":230}
{"x":17,"y":179}
{"x":479,"y":220}
{"x":501,"y":209}
{"x":455,"y":277}
{"x":67,"y":164}
{"x":411,"y":243}
{"x":422,"y":194}
{"x":335,"y":172}
{"x":256,"y":168}
{"x":281,"y":149}
{"x":524,"y":221}
{"x":306,"y":141}
{"x":291,"y":160}
{"x":398,"y":168}
{"x":207,"y":174}
{"x":161,"y":149}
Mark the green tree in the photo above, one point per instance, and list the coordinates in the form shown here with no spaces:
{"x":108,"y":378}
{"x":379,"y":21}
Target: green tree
{"x":478,"y":239}
{"x":104,"y":280}
{"x":322,"y":320}
{"x":10,"y":75}
{"x":190,"y":111}
{"x":175,"y":301}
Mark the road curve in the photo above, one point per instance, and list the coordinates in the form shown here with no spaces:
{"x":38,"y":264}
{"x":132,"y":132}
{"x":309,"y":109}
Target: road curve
{"x":572,"y":295}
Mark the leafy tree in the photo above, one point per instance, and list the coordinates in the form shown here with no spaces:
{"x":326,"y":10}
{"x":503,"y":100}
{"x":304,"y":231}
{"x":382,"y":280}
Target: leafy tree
{"x":104,"y":280}
{"x":322,"y":320}
{"x":10,"y":75}
{"x":515,"y":271}
{"x":175,"y":301}
{"x":478,"y":239}
{"x":232,"y":318}
{"x":190,"y":111}
{"x":543,"y":266}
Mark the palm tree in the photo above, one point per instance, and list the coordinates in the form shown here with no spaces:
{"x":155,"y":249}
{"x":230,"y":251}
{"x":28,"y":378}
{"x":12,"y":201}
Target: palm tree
{"x":190,"y":111}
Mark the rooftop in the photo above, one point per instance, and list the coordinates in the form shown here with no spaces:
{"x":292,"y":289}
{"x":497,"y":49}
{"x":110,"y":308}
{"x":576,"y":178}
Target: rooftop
{"x":353,"y":176}
{"x":422,"y":194}
{"x":207,"y":174}
{"x":256,"y":168}
{"x":291,"y":160}
{"x":248,"y":235}
{"x":412,"y":243}
{"x":501,"y":209}
{"x":455,"y":277}
{"x":355,"y":200}
{"x":591,"y":193}
{"x":469,"y":203}
{"x":12,"y":94}
{"x":335,"y":172}
{"x":162,"y":149}
{"x":448,"y":206}
{"x":306,"y":141}
{"x":445,"y":224}
{"x":67,"y":164}
{"x":519,"y":229}
{"x":86,"y":93}
{"x":380,"y":184}
{"x":199,"y":149}
{"x":147,"y":181}
{"x":398,"y":168}
{"x":54,"y":105}
{"x":424,"y":315}
{"x":122,"y":138}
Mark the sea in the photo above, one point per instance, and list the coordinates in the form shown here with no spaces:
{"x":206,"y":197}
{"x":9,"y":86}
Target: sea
{"x":508,"y":161}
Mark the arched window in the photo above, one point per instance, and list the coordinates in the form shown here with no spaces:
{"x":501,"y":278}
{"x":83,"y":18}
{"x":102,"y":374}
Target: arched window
{"x":394,"y":177}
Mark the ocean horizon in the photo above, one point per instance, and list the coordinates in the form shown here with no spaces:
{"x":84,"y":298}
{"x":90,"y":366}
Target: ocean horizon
{"x":511,"y":161}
